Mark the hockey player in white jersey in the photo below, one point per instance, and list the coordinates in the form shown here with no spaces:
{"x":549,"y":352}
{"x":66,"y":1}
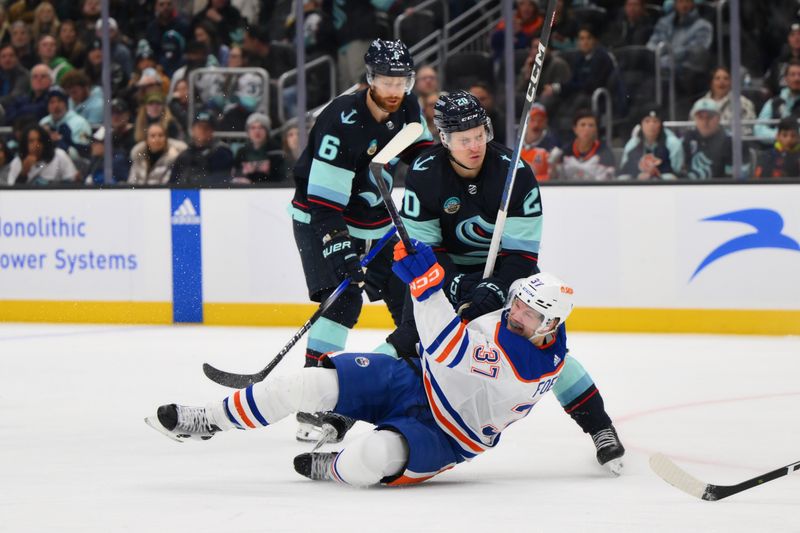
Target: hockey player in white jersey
{"x":471,"y":382}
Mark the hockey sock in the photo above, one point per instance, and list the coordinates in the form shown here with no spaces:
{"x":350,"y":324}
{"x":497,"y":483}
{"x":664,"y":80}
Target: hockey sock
{"x":578,"y":395}
{"x":310,"y":390}
{"x":324,"y":336}
{"x":369,"y":459}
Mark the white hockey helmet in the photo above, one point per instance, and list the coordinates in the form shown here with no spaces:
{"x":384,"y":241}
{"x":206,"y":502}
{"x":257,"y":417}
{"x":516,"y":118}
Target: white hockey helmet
{"x":547,"y":295}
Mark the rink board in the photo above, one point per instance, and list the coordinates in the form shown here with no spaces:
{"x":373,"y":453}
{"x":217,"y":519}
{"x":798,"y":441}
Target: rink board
{"x":685,"y":258}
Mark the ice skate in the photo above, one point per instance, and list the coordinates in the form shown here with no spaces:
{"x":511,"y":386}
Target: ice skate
{"x":609,"y":449}
{"x":316,"y":465}
{"x":181,"y":422}
{"x":328,"y":427}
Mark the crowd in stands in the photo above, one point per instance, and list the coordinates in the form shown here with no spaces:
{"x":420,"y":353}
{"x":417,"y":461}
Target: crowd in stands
{"x":172,"y":123}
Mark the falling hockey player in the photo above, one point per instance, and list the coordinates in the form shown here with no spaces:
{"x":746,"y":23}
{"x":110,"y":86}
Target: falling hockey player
{"x":452,"y":198}
{"x":337,"y":209}
{"x":472,"y":381}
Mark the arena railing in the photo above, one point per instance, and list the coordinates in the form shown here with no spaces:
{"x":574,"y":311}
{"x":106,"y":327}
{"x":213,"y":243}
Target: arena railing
{"x":282,"y":82}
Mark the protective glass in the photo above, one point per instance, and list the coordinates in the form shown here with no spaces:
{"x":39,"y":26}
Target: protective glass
{"x":392,"y":83}
{"x":470,"y":139}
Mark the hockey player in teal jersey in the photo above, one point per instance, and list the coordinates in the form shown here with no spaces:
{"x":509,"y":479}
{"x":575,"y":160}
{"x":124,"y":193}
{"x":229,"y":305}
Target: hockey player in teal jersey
{"x":337,"y":207}
{"x":452,"y":197}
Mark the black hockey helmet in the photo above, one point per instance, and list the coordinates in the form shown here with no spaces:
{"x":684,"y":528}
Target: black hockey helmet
{"x":460,"y":111}
{"x":389,"y":58}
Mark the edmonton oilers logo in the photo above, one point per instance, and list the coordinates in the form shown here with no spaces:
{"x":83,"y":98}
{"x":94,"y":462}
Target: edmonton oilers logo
{"x":362,"y":362}
{"x":452,"y":205}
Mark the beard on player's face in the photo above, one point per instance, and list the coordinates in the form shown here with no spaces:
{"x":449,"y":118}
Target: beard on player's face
{"x":388,"y":103}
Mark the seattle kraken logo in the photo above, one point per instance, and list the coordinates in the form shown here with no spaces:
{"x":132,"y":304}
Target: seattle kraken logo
{"x":768,"y":225}
{"x":477,"y":233}
{"x":371,"y":198}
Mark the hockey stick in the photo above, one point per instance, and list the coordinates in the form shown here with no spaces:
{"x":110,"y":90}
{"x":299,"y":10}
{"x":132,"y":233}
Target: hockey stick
{"x":240,"y":381}
{"x":393,"y":148}
{"x":530,"y":95}
{"x":680,"y":479}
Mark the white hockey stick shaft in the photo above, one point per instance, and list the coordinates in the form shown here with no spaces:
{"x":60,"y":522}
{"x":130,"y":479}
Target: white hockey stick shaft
{"x":530,"y":95}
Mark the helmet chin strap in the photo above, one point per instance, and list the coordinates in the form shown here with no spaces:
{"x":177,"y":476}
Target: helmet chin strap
{"x":453,"y":159}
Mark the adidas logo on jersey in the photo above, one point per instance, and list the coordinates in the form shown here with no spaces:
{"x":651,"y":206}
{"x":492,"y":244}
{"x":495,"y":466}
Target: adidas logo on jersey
{"x":556,"y":360}
{"x":185,"y":214}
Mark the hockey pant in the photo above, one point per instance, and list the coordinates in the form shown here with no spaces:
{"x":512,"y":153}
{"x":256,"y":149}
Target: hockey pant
{"x":366,"y":461}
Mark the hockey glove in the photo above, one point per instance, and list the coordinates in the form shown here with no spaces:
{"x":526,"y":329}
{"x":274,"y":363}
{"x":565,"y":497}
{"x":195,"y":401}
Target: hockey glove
{"x":460,"y":288}
{"x":340,"y":249}
{"x":421,"y":271}
{"x":489,"y":295}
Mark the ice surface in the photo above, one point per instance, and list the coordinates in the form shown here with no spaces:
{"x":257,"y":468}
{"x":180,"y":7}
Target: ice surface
{"x":75,"y":454}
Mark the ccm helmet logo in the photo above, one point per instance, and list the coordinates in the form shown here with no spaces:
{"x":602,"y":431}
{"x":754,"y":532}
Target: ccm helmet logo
{"x":334,"y":248}
{"x":536,"y":71}
{"x":432,"y":277}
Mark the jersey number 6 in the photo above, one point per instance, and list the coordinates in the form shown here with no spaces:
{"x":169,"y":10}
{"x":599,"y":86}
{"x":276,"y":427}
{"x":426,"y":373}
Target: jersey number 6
{"x":329,"y":147}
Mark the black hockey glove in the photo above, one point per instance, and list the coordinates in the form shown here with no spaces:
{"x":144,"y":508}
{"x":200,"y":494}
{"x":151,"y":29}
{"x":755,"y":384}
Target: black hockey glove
{"x":460,"y":288}
{"x":340,"y":249}
{"x":404,"y":339}
{"x":489,"y":295}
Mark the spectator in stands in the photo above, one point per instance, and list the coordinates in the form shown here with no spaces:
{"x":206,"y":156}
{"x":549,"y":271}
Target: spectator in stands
{"x":122,"y":139}
{"x":22,"y":42}
{"x":427,"y":104}
{"x":173,"y":53}
{"x":319,"y":33}
{"x":260,"y":160}
{"x":45,"y":20}
{"x":565,"y":27}
{"x":22,"y":10}
{"x":147,"y":73}
{"x":40,"y":161}
{"x":166,"y":18}
{"x":93,"y":68}
{"x":427,"y":82}
{"x":538,"y":143}
{"x":70,"y":46}
{"x":356,"y":27}
{"x":633,"y":26}
{"x":776,"y":75}
{"x":224,"y":19}
{"x":249,"y":94}
{"x":47,"y":49}
{"x":653,"y":151}
{"x":591,"y":70}
{"x":154,"y":158}
{"x":707,"y":148}
{"x":720,"y":92}
{"x":690,"y":37}
{"x":33,"y":104}
{"x":527,"y":24}
{"x":85,"y":99}
{"x":786,"y":104}
{"x":205,"y":33}
{"x":206,"y":161}
{"x":485,"y":96}
{"x":554,"y":71}
{"x":153,"y":110}
{"x":235,"y":57}
{"x":5,"y":28}
{"x":275,"y":60}
{"x":179,"y":102}
{"x":5,"y":163}
{"x":95,"y":172}
{"x":68,"y":130}
{"x":783,"y":159}
{"x":291,"y":149}
{"x":14,"y":78}
{"x":586,"y":158}
{"x":90,"y":13}
{"x":120,"y":53}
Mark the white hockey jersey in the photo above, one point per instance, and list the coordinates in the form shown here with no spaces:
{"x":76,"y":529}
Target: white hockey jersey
{"x":480,"y":377}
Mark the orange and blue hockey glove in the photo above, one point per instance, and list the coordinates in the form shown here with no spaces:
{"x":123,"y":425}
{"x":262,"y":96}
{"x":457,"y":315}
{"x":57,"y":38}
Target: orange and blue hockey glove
{"x":420,"y":270}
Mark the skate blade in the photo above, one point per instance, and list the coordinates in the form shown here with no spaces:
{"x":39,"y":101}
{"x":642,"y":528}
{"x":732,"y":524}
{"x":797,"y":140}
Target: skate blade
{"x":615,"y":466}
{"x":308,"y":432}
{"x":153,"y":422}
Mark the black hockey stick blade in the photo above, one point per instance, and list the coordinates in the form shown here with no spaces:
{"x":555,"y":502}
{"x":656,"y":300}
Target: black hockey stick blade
{"x":682,"y":480}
